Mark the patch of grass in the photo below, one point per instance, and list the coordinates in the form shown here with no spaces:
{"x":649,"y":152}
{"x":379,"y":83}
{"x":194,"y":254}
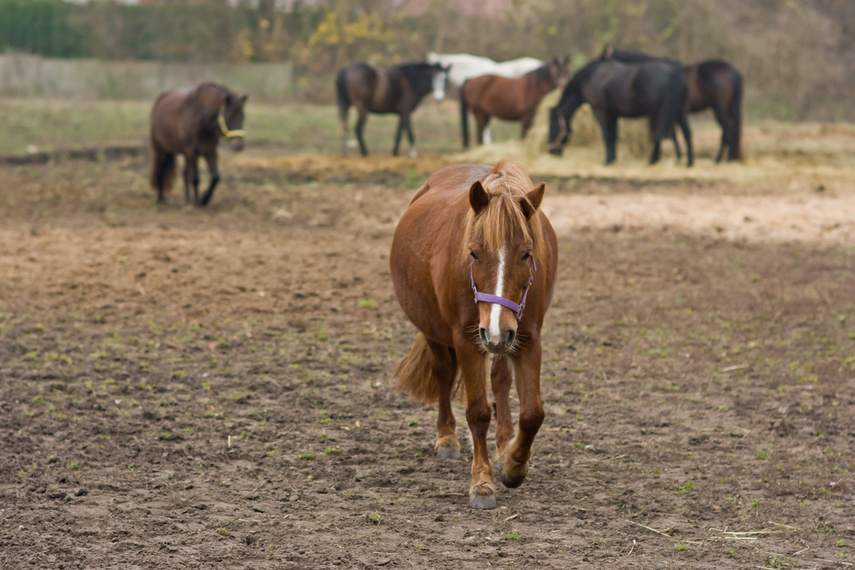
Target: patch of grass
{"x":512,"y":535}
{"x":308,"y":456}
{"x":776,"y":561}
{"x":373,"y":517}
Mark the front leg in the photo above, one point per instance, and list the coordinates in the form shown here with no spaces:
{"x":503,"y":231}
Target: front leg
{"x":501,"y":378}
{"x":211,"y":160}
{"x":473,"y":369}
{"x":527,"y":374}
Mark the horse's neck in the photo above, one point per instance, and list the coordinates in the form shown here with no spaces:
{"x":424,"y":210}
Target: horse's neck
{"x":210,"y":96}
{"x":571,"y":100}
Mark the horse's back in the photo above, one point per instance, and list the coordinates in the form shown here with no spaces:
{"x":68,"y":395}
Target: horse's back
{"x":713,"y":83}
{"x":447,"y":183}
{"x":166,"y":118}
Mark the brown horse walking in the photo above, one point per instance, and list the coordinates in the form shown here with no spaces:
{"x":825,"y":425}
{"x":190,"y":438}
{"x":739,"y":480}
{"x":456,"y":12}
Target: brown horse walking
{"x":190,"y":122}
{"x":508,"y":99}
{"x":473,"y":263}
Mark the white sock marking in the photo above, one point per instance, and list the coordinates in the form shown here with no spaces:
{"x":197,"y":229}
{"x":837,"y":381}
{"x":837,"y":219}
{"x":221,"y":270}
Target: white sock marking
{"x":496,"y":309}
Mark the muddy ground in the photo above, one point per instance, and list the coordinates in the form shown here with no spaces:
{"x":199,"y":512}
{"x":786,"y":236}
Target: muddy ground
{"x":211,"y":389}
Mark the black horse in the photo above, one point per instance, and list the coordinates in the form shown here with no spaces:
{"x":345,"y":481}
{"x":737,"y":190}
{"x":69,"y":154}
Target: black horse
{"x":190,"y":122}
{"x":655,"y":89}
{"x":398,"y":89}
{"x":712,"y":84}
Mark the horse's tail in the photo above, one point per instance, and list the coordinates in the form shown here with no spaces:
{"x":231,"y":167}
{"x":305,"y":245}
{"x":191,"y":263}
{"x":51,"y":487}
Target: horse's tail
{"x":673,"y":103}
{"x":414,"y":377}
{"x":343,"y":99}
{"x":162,"y":170}
{"x":734,"y":151}
{"x":464,"y":116}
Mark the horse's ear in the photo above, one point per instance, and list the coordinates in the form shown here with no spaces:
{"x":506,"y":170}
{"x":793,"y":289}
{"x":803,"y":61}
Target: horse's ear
{"x":478,"y":197}
{"x":532,"y":201}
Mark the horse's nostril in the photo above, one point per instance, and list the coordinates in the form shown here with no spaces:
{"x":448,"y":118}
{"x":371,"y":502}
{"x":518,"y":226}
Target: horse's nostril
{"x":510,"y":335}
{"x":483,"y":332}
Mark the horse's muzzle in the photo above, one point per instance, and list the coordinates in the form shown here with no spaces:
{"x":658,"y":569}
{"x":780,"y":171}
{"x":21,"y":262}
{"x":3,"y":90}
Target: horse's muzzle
{"x":499,"y":345}
{"x":236,"y":144}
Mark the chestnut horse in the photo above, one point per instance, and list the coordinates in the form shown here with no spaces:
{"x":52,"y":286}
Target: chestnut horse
{"x":190,"y":122}
{"x":473,"y":262}
{"x":508,"y":99}
{"x":712,"y":84}
{"x":397,"y":89}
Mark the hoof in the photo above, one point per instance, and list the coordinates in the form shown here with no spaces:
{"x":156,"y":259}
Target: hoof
{"x":514,"y":475}
{"x":448,"y":452}
{"x":483,"y":496}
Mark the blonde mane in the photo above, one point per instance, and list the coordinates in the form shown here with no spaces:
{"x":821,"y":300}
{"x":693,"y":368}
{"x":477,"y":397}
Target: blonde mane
{"x":507,"y":184}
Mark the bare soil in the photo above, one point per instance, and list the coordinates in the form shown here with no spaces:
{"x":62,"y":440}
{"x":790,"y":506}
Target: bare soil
{"x":210,"y":389}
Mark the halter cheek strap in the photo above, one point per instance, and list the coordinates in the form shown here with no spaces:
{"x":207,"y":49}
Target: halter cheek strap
{"x":487,"y":298}
{"x":227,"y":132}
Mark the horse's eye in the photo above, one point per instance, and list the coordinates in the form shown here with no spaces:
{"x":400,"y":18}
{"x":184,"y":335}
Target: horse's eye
{"x":526,"y":256}
{"x":472,"y":254}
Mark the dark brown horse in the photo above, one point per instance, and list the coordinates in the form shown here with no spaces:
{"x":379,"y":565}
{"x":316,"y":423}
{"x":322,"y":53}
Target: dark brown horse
{"x":473,"y":263}
{"x":509,"y":99}
{"x":655,"y":89}
{"x":398,"y":89}
{"x":190,"y":122}
{"x":717,"y":85}
{"x":712,"y":84}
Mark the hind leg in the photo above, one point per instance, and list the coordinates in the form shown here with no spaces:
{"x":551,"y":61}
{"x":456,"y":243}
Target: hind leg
{"x":162,"y":169}
{"x":191,"y":178}
{"x":360,"y":123}
{"x":482,"y":123}
{"x":211,"y":160}
{"x":444,"y":369}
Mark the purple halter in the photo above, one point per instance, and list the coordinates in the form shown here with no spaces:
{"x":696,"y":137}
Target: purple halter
{"x":487,"y":298}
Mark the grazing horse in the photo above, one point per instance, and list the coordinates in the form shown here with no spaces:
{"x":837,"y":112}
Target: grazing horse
{"x":717,"y":84}
{"x":712,"y":84}
{"x":190,"y":122}
{"x":398,"y":89}
{"x":508,"y":99}
{"x":655,"y":89}
{"x":474,"y":262}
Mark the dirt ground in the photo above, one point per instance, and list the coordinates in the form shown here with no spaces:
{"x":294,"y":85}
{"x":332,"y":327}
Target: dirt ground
{"x":211,"y":389}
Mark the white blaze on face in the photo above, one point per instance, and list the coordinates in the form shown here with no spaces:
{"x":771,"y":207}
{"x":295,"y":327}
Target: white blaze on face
{"x":496,"y":309}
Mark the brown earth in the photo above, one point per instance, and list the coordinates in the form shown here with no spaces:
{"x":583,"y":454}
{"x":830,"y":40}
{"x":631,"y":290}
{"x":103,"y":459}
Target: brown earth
{"x":210,"y":389}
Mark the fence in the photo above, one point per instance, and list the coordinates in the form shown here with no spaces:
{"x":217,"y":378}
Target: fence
{"x":36,"y":76}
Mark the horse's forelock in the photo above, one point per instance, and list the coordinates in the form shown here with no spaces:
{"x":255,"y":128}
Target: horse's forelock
{"x":507,"y":184}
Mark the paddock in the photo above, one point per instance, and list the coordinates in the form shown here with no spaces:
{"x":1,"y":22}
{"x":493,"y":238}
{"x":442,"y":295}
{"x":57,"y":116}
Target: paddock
{"x":200,"y":388}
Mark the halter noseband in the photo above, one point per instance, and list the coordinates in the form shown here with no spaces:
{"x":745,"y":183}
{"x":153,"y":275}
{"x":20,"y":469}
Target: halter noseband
{"x":487,"y":298}
{"x":227,"y":132}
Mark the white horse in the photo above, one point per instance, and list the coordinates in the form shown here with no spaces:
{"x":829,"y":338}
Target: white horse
{"x":465,"y":66}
